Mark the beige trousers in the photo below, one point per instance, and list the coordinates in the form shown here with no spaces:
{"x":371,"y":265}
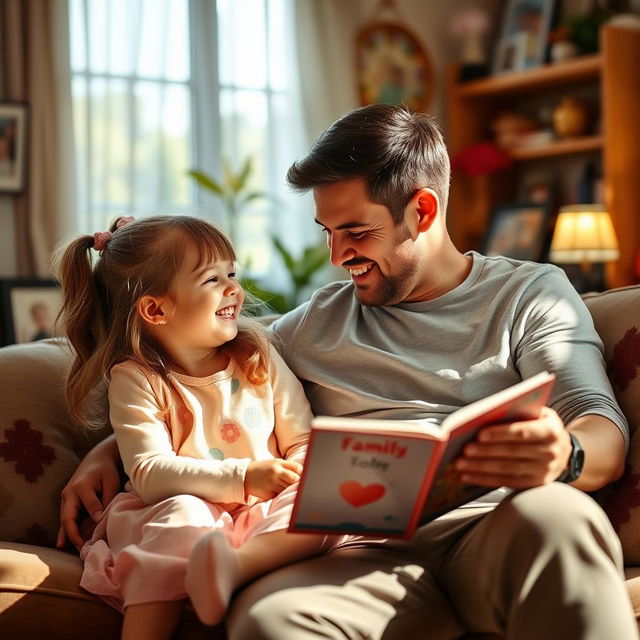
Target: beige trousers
{"x":544,"y":564}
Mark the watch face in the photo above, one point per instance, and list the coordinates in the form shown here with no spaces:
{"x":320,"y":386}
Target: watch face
{"x":576,"y":461}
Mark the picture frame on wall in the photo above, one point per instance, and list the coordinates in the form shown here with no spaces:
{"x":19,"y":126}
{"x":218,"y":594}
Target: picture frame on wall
{"x":13,"y":146}
{"x":523,"y":40}
{"x":518,"y":230}
{"x":28,"y":308}
{"x":393,"y":67}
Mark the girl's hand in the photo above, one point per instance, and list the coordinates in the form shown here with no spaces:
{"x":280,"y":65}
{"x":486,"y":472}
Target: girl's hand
{"x":265,"y":479}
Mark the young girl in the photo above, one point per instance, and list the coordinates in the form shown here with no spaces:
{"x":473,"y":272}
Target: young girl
{"x":211,"y":425}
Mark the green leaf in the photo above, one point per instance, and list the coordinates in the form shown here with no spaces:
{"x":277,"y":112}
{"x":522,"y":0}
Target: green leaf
{"x":255,"y":195}
{"x":244,"y":174}
{"x":230,"y":179}
{"x":314,"y":259}
{"x":206,"y":181}
{"x":285,"y":254}
{"x":273,"y":300}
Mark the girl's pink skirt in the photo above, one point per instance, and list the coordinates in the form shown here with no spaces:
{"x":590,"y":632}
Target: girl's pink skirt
{"x":138,"y":552}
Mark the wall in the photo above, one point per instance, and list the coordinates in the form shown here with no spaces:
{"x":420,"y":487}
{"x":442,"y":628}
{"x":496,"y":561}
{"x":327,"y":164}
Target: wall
{"x":8,"y":259}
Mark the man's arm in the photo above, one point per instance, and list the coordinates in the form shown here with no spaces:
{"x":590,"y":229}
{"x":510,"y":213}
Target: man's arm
{"x":526,"y":454}
{"x":93,"y":485}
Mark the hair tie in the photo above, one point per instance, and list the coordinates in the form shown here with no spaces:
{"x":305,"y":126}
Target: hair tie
{"x":100,"y":239}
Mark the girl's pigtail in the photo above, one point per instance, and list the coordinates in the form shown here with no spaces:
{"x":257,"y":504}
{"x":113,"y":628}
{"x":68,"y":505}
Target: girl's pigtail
{"x":83,"y":318}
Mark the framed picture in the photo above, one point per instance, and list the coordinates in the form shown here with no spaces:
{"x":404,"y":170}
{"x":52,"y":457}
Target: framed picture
{"x":29,"y":309}
{"x":13,"y":146}
{"x":518,"y":231}
{"x":393,"y":67}
{"x":523,"y":41}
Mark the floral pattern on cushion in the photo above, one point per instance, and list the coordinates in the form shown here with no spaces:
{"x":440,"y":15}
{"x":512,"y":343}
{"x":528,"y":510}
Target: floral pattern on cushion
{"x":39,"y":445}
{"x":623,"y":368}
{"x":24,"y":446}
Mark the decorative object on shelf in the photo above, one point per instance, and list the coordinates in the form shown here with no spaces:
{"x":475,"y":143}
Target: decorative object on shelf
{"x":482,"y":158}
{"x":393,"y":67}
{"x":524,"y":36}
{"x":29,"y":308}
{"x":470,"y":24}
{"x":584,"y":28}
{"x":13,"y":146}
{"x":584,"y":235}
{"x":518,"y":231}
{"x":509,"y":127}
{"x":562,"y":51}
{"x":571,"y":118}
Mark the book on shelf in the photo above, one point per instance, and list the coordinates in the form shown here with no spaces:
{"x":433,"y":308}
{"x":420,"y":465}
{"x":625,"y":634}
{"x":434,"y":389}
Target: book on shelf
{"x":387,"y":477}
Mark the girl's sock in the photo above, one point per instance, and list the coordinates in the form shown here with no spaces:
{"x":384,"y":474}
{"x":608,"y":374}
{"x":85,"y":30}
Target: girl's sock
{"x":212,"y":576}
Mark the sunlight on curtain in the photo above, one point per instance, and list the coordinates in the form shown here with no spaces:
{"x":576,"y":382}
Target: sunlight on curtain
{"x":131,"y":93}
{"x":163,"y":86}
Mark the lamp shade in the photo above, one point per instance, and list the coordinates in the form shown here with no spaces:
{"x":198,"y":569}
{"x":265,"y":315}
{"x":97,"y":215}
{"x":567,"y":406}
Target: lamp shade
{"x":583,"y":234}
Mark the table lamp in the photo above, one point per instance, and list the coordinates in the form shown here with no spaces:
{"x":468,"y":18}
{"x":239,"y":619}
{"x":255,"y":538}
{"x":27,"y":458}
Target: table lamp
{"x":584,"y":235}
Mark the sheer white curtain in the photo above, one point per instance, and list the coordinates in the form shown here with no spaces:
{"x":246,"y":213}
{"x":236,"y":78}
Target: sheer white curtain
{"x":325,"y":33}
{"x":164,"y":86}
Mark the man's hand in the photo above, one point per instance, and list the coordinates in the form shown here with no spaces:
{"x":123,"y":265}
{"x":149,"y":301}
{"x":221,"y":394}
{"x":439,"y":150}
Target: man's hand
{"x":517,"y":455}
{"x":93,"y":485}
{"x":265,"y":479}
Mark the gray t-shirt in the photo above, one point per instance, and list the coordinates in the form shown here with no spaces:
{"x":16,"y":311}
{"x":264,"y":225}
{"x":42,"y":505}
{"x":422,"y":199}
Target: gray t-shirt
{"x":421,"y":361}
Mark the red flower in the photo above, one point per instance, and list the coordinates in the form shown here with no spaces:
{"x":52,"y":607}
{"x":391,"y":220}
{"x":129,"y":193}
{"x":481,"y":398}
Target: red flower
{"x":230,"y":432}
{"x":481,"y":158}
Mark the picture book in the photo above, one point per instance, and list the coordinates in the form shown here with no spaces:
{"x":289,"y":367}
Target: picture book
{"x":387,"y":477}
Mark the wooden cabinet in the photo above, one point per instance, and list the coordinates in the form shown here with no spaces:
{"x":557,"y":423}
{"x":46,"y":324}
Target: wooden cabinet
{"x":614,"y":78}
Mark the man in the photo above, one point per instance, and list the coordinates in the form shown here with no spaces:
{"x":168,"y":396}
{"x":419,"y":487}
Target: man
{"x":419,"y":331}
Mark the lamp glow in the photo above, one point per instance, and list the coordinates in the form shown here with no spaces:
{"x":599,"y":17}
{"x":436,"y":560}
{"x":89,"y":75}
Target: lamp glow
{"x":584,"y":234}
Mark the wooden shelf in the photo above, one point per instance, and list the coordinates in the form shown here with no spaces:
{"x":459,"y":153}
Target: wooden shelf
{"x":559,"y":147}
{"x":611,"y":77}
{"x":572,"y":71}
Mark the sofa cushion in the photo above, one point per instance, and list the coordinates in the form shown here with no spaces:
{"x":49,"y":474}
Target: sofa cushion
{"x":39,"y":447}
{"x":40,"y":598}
{"x":616,"y":315}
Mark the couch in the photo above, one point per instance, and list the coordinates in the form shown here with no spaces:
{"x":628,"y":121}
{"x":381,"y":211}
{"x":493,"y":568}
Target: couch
{"x":39,"y":450}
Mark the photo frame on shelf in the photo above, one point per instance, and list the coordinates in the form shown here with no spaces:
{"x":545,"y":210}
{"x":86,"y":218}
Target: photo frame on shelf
{"x":13,"y":146}
{"x":393,"y":67}
{"x":523,"y":40}
{"x":518,"y":230}
{"x":29,"y":309}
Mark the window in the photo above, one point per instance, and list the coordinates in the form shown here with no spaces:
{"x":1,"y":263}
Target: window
{"x":163,"y":86}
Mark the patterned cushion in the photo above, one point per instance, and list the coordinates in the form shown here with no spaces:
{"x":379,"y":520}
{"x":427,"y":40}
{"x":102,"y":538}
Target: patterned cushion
{"x":39,"y":449}
{"x":616,"y":315}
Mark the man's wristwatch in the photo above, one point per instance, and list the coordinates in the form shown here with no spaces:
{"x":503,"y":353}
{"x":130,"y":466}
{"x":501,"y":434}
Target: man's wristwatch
{"x":575,"y":464}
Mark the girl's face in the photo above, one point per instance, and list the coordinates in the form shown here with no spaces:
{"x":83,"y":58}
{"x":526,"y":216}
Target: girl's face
{"x":203,"y":303}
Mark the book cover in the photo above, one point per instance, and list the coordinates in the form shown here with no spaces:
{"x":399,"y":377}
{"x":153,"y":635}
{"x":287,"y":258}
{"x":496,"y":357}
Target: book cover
{"x":386,"y":477}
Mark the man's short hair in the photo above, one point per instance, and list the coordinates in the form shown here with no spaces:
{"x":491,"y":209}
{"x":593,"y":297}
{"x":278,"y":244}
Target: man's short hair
{"x":396,"y":151}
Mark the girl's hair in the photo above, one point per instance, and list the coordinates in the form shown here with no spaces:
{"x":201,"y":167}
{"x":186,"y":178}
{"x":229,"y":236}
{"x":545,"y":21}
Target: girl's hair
{"x":99,"y":310}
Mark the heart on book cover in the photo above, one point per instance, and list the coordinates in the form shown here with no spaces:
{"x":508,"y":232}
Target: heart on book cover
{"x":358,"y":495}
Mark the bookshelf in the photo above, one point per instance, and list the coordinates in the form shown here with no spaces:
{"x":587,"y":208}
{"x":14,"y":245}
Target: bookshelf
{"x":614,"y":77}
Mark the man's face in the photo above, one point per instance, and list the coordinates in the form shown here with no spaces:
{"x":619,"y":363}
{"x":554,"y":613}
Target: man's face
{"x":379,"y":255}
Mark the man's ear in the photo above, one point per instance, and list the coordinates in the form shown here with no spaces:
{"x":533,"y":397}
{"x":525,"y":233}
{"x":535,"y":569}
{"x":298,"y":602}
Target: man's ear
{"x":153,"y":310}
{"x":422,"y":210}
